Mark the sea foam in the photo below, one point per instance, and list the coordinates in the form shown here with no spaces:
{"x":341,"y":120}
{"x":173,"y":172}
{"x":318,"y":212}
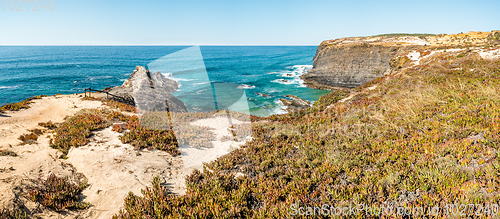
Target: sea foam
{"x":8,"y":87}
{"x":244,"y":86}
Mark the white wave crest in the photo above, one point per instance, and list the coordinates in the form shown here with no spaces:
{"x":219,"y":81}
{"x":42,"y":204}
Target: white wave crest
{"x":244,"y":86}
{"x":8,"y":87}
{"x":201,"y":83}
{"x":280,"y":109}
{"x":286,"y":81}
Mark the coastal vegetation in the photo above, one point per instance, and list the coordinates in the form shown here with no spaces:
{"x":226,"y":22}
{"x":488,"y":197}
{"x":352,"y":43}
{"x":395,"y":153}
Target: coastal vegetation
{"x":405,"y":34}
{"x":12,"y":214}
{"x":422,"y":137}
{"x":77,"y":130}
{"x":141,"y":137}
{"x":58,"y":193}
{"x":113,"y":104}
{"x":19,"y":105}
{"x":49,"y":125}
{"x":31,"y":137}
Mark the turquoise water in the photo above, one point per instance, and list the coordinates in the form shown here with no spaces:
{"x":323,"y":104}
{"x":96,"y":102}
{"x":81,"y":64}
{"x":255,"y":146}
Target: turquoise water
{"x":226,"y":73}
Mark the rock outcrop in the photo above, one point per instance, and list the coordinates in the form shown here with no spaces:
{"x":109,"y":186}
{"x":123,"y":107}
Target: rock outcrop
{"x":151,"y":91}
{"x":351,"y":62}
{"x":350,"y":65}
{"x":295,"y":104}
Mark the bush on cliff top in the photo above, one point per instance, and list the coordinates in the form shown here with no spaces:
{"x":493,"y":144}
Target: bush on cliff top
{"x":428,"y":136}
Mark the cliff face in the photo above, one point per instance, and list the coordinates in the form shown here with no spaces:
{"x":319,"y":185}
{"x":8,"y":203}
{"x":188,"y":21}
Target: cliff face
{"x":351,"y":62}
{"x":350,"y":65}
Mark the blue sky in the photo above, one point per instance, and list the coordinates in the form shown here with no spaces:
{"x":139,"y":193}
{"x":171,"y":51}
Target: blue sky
{"x":218,"y":22}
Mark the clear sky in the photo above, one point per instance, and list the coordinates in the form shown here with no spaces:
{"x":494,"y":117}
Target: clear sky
{"x":221,"y":22}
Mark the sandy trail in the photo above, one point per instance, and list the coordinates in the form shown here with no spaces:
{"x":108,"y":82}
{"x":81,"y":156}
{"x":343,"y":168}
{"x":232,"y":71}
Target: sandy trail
{"x":54,"y":108}
{"x":113,"y":169}
{"x":195,"y":157}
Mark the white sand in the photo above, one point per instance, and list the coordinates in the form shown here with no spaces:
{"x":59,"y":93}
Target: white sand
{"x":54,"y":108}
{"x":194,"y":158}
{"x":113,"y":169}
{"x":490,"y":54}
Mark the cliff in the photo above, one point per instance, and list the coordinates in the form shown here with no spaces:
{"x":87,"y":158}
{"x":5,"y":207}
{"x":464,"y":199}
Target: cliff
{"x":151,"y":91}
{"x":351,"y":62}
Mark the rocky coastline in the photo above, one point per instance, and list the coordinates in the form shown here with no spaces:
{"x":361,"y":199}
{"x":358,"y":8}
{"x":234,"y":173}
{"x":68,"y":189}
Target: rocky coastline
{"x":150,"y":91}
{"x":295,"y":104}
{"x":353,"y":61}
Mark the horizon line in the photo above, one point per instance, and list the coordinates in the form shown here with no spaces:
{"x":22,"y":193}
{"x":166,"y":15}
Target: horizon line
{"x":166,"y":45}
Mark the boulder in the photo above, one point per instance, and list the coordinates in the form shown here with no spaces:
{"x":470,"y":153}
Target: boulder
{"x":296,"y":104}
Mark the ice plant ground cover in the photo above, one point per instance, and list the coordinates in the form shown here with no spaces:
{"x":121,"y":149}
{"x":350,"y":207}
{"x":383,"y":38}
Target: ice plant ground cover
{"x":425,"y":136}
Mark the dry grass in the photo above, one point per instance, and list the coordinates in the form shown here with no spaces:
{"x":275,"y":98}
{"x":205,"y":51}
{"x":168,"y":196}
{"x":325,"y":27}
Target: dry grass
{"x":31,"y":137}
{"x":49,"y":125}
{"x":8,"y":153}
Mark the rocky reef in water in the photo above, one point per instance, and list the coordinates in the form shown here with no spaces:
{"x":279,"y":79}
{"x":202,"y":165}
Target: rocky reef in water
{"x":295,"y":104}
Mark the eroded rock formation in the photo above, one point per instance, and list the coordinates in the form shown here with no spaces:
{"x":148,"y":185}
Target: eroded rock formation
{"x":151,"y":91}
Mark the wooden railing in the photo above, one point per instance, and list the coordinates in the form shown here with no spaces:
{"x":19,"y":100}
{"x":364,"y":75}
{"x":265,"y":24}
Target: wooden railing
{"x":126,"y":99}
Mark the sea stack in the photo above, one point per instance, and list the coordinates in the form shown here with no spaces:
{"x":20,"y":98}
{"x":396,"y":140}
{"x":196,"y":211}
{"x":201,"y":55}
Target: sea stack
{"x":151,"y":91}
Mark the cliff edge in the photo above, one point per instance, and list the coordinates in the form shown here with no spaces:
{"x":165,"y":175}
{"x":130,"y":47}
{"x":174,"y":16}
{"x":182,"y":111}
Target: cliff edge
{"x":353,"y":61}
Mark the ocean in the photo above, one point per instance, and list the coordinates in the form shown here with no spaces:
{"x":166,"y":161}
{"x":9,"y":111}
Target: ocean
{"x":248,"y":79}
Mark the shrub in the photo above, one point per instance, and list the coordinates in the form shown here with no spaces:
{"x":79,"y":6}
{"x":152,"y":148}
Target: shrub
{"x":28,"y":138}
{"x":49,"y":125}
{"x":141,"y":137}
{"x":12,"y":214}
{"x":76,"y":131}
{"x":116,"y":116}
{"x":8,"y":153}
{"x":121,"y":106}
{"x":59,"y":194}
{"x":331,"y":98}
{"x":117,"y":128}
{"x":113,"y":104}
